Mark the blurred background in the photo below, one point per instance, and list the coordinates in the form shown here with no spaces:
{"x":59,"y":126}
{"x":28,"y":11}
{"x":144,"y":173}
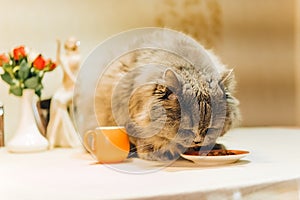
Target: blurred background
{"x":260,"y":40}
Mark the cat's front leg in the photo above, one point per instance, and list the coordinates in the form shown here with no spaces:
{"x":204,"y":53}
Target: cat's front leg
{"x":157,"y":149}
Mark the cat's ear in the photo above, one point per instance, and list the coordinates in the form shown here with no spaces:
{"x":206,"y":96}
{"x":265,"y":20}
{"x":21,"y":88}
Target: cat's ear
{"x":171,"y":79}
{"x":227,"y":78}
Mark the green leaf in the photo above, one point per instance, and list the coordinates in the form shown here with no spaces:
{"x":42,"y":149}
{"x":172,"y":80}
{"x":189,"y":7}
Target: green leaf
{"x":6,"y":77}
{"x":32,"y":82}
{"x":38,"y":93}
{"x":38,"y":90}
{"x":16,"y":90}
{"x":39,"y":87}
{"x":7,"y":66}
{"x":24,"y":70}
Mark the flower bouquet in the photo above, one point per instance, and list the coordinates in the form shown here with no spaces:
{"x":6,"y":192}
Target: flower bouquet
{"x":22,"y":72}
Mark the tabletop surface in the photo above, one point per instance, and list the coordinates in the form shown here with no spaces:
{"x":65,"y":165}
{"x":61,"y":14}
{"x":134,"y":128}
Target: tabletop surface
{"x":271,"y":168}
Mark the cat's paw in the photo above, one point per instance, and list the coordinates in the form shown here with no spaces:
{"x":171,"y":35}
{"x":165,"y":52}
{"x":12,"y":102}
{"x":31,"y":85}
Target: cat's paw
{"x":157,"y":148}
{"x":159,"y":155}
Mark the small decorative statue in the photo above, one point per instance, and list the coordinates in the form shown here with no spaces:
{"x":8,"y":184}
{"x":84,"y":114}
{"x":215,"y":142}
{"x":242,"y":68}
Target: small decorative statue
{"x":60,"y":130}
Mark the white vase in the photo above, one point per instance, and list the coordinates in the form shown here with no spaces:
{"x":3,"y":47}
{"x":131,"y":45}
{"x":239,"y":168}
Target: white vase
{"x":27,"y":137}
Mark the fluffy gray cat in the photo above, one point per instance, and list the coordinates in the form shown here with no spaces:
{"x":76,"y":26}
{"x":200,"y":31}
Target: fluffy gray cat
{"x":170,"y":99}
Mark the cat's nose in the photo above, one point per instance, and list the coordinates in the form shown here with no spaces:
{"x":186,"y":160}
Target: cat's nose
{"x":198,"y":139}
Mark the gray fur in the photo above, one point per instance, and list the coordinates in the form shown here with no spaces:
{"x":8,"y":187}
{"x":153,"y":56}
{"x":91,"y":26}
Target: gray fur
{"x":167,"y":102}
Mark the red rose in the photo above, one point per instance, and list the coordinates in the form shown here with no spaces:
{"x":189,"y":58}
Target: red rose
{"x":39,"y":63}
{"x":50,"y":65}
{"x":3,"y":59}
{"x":19,"y":52}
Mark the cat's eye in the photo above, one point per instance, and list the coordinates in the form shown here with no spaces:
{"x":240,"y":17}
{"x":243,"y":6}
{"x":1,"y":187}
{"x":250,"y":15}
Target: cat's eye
{"x":227,"y":96}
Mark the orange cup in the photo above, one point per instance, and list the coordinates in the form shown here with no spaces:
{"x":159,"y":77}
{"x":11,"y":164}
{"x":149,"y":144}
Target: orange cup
{"x":107,"y":144}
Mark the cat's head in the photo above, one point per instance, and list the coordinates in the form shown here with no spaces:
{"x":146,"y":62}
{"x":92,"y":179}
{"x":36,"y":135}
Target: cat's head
{"x":191,"y":114}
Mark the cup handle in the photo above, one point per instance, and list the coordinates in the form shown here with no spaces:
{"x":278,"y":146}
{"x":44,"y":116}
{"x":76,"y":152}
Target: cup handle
{"x":86,"y":141}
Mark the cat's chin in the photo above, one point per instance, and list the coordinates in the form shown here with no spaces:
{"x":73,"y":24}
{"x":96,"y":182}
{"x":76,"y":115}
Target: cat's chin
{"x":194,"y":146}
{"x":215,"y":146}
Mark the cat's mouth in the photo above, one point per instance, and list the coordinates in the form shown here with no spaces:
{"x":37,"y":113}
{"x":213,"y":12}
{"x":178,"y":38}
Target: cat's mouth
{"x":215,"y":146}
{"x":203,"y":142}
{"x":195,"y":145}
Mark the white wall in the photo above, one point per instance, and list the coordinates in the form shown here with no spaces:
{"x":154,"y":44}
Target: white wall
{"x":258,"y":41}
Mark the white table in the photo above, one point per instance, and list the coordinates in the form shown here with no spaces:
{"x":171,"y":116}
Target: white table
{"x":271,"y":171}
